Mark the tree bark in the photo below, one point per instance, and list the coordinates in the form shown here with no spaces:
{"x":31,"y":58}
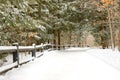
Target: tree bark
{"x":103,"y":43}
{"x":59,"y":41}
{"x":70,"y":35}
{"x":119,"y":40}
{"x":110,"y":26}
{"x":54,"y":39}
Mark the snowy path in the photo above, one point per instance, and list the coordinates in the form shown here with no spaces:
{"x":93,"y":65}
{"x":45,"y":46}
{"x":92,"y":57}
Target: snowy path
{"x":64,"y":65}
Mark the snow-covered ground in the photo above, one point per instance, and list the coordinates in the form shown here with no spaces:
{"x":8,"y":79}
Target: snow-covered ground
{"x":108,"y":56}
{"x":70,"y":64}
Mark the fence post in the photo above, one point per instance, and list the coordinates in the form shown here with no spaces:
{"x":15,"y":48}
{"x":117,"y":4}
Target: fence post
{"x":34,"y":50}
{"x":50,"y":46}
{"x":16,"y":54}
{"x":42,"y":48}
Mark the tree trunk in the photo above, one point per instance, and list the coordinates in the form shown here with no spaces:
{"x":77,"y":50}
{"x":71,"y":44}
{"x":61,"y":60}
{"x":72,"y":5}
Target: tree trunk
{"x":70,"y":35}
{"x":119,"y":40}
{"x":104,"y":41}
{"x":103,"y":44}
{"x":59,"y":41}
{"x":54,"y":40}
{"x":110,"y":26}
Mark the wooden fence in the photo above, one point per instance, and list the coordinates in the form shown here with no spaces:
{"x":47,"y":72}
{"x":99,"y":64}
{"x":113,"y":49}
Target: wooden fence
{"x":16,"y":50}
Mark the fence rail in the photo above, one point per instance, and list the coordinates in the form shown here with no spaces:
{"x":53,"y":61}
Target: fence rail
{"x":16,"y":50}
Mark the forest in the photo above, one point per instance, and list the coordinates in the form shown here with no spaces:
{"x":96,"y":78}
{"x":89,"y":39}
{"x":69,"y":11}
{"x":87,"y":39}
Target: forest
{"x":60,"y":22}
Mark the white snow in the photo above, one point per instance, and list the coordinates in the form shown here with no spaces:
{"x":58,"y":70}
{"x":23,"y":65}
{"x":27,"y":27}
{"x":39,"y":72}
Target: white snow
{"x":7,"y":48}
{"x":70,"y":64}
{"x":108,"y":56}
{"x":7,"y":67}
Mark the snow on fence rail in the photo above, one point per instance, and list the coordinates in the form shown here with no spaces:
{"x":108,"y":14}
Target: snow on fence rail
{"x":16,"y":50}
